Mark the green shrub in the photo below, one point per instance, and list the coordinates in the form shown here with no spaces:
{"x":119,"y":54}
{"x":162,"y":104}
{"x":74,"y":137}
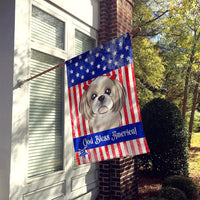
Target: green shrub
{"x":167,"y":138}
{"x":171,"y":193}
{"x":183,"y":183}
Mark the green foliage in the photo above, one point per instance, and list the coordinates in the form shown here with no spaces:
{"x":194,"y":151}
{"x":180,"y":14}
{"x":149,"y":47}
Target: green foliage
{"x":171,"y":193}
{"x":149,"y":67}
{"x":180,"y":44}
{"x":196,"y":124}
{"x":167,"y":139}
{"x":183,"y":183}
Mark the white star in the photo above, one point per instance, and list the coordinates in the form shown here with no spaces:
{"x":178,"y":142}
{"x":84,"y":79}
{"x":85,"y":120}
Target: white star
{"x":113,"y":41}
{"x":90,"y":52}
{"x":82,"y":77}
{"x":128,"y":58}
{"x":103,"y":58}
{"x":81,"y":67}
{"x":80,"y":57}
{"x":101,"y":46}
{"x":97,"y":54}
{"x":127,"y":47}
{"x":76,"y":64}
{"x":116,"y":63}
{"x":86,"y":60}
{"x":120,"y":44}
{"x":72,"y":81}
{"x":87,"y":70}
{"x":92,"y":63}
{"x":77,"y":75}
{"x":98,"y":66}
{"x":70,"y":61}
{"x":114,"y":53}
{"x":108,"y":50}
{"x":71,"y":71}
{"x":122,"y":56}
{"x":104,"y":68}
{"x":110,"y":61}
{"x":93,"y":72}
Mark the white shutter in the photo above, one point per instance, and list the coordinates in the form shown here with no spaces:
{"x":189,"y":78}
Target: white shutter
{"x":46,"y":28}
{"x":45,"y":141}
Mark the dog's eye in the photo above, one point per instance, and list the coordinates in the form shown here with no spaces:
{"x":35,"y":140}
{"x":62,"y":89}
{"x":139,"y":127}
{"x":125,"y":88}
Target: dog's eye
{"x":108,"y":91}
{"x":93,"y":96}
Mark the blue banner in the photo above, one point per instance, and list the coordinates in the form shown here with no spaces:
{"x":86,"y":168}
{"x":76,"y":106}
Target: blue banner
{"x":112,"y":136}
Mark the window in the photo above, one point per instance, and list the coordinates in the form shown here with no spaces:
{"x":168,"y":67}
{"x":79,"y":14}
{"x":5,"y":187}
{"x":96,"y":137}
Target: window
{"x":47,"y":29}
{"x":83,"y":42}
{"x":45,"y":139}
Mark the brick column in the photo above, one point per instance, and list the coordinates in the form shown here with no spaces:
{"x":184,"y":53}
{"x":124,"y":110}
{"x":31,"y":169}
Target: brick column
{"x":117,"y":177}
{"x":115,"y":19}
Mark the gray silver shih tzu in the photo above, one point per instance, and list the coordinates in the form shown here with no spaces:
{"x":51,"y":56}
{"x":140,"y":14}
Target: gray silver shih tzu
{"x":101,"y":103}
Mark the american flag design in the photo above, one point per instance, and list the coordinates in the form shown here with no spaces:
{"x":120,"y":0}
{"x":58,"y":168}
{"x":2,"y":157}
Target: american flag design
{"x":113,"y":60}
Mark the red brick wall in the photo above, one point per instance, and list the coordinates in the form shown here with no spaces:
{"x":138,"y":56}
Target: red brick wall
{"x":115,"y":19}
{"x":117,"y":177}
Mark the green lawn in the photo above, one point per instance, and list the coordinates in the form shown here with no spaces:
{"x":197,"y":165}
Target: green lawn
{"x":194,"y":161}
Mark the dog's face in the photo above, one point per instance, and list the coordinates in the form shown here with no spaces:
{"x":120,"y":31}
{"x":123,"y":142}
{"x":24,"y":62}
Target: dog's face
{"x":103,"y":94}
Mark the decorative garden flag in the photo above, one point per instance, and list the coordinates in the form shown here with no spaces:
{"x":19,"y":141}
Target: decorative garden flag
{"x":105,"y":115}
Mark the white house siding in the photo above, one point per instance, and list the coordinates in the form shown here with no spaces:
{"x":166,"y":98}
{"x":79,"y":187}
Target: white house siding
{"x":15,"y":46}
{"x":6,"y":87}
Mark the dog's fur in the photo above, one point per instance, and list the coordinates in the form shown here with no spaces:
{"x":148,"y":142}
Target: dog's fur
{"x":101,"y":103}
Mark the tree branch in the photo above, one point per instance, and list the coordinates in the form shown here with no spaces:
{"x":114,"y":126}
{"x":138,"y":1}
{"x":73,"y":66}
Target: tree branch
{"x":150,"y":21}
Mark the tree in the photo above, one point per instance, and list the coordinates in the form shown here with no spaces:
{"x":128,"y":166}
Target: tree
{"x":184,"y":30}
{"x":195,"y":101}
{"x":149,"y":68}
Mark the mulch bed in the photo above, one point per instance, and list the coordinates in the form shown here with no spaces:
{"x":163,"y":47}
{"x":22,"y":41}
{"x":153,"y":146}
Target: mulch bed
{"x":148,"y":186}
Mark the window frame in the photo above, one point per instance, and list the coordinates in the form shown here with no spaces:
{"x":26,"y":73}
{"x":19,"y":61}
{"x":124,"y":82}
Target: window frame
{"x":68,"y":52}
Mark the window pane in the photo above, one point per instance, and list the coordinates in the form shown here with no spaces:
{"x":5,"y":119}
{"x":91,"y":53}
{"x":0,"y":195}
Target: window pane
{"x":45,"y":141}
{"x":83,"y":43}
{"x":46,"y":28}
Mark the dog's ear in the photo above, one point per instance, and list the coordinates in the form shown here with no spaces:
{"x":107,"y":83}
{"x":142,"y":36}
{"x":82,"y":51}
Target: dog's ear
{"x":84,"y":107}
{"x":120,"y":96}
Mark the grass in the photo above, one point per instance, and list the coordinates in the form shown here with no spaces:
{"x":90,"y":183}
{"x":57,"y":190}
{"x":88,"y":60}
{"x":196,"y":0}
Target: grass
{"x":194,"y":159}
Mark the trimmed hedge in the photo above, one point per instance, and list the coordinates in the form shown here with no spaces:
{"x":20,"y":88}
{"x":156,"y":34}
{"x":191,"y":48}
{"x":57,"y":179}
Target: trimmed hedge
{"x":183,"y":183}
{"x":167,"y":138}
{"x":171,"y":193}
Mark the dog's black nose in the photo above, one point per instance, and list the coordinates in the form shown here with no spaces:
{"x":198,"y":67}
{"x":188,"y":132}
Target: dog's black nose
{"x":101,"y":98}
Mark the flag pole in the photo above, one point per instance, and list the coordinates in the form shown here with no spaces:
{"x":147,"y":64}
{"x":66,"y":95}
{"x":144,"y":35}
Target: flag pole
{"x":20,"y":83}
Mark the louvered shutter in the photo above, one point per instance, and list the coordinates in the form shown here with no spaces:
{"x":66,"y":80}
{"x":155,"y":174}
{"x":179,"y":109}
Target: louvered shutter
{"x":83,"y":43}
{"x":45,"y":143}
{"x":45,"y":134}
{"x":46,"y":28}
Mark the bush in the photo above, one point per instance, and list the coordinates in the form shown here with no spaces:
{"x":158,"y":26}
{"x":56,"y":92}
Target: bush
{"x":167,"y":138}
{"x":183,"y":183}
{"x":171,"y":193}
